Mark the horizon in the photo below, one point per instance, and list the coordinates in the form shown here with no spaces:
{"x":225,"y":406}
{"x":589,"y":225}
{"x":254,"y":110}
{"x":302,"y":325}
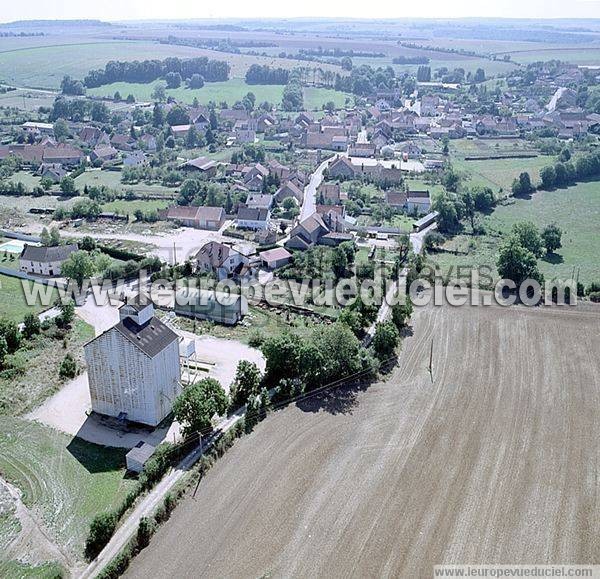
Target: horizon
{"x":153,"y":11}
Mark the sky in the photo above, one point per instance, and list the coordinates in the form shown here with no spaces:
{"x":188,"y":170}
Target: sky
{"x":187,"y":9}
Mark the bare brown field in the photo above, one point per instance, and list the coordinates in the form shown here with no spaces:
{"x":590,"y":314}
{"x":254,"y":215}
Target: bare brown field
{"x":495,"y":461}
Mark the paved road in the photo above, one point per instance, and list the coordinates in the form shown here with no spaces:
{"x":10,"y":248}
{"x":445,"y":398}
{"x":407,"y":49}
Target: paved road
{"x":362,"y":137}
{"x":309,"y":203}
{"x":385,"y":310}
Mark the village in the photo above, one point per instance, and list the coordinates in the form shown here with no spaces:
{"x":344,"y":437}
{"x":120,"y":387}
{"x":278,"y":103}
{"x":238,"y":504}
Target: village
{"x":393,"y":174}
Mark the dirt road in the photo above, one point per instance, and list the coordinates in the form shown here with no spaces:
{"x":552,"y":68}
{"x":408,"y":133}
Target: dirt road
{"x":495,"y":461}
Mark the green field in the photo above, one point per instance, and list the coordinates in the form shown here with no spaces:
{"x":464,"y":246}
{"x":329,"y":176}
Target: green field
{"x":124,"y":207}
{"x":315,"y":98}
{"x":45,"y":66}
{"x":481,"y":147}
{"x":32,"y":372}
{"x":576,"y":55}
{"x":500,"y":173}
{"x":229,"y":91}
{"x":26,"y":99}
{"x":12,"y":299}
{"x":27,"y":178}
{"x":64,"y":480}
{"x":439,"y":60}
{"x":576,"y":210}
{"x":24,"y":571}
{"x":112,"y":180}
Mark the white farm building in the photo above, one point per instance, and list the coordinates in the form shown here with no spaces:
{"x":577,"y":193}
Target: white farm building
{"x":133,"y":367}
{"x":45,"y":260}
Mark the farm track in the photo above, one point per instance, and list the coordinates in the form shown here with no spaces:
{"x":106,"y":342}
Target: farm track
{"x":493,"y":462}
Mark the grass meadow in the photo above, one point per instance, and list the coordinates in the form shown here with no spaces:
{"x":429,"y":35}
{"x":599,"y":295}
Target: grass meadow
{"x":229,"y":91}
{"x":575,"y":209}
{"x":498,"y":174}
{"x":64,"y":480}
{"x":12,"y":300}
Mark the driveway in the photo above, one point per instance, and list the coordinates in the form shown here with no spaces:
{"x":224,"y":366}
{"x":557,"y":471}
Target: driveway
{"x":222,"y":356}
{"x":417,"y":239}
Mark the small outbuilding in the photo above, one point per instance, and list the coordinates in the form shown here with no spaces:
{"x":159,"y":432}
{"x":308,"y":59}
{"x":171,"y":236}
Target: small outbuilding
{"x":275,"y":258}
{"x":138,"y":456}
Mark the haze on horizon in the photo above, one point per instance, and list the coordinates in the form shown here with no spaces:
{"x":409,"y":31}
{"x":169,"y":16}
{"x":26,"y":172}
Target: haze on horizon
{"x":117,"y":10}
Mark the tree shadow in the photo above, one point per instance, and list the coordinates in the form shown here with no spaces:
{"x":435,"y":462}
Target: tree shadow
{"x":553,"y":258}
{"x":338,"y":400}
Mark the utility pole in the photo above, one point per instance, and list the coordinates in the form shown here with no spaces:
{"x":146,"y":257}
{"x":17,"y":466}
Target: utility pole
{"x":199,"y":478}
{"x":431,"y":362}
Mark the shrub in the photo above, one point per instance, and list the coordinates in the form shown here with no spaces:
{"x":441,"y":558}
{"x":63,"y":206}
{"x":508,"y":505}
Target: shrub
{"x":31,"y":325}
{"x":119,"y":564}
{"x":594,"y":287}
{"x":385,"y":340}
{"x":68,"y":367}
{"x":101,"y":530}
{"x":256,"y":338}
{"x":144,"y":533}
{"x":156,"y":466}
{"x":433,"y":240}
{"x":595,"y":297}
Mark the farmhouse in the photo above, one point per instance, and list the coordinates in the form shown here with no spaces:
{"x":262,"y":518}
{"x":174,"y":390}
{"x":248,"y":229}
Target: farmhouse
{"x":103,"y":153}
{"x":329,"y":193}
{"x":199,"y":217}
{"x":92,"y":136}
{"x":133,"y":367}
{"x":318,"y":229}
{"x":260,"y":200}
{"x":123,"y":142}
{"x":289,"y":189}
{"x":253,"y":218}
{"x":44,"y":260}
{"x":180,"y":131}
{"x":38,"y":128}
{"x":395,"y":199}
{"x":65,"y":154}
{"x":418,"y":202}
{"x":53,"y":171}
{"x":254,"y":176}
{"x":362,"y":150}
{"x":220,"y":259}
{"x":341,"y":168}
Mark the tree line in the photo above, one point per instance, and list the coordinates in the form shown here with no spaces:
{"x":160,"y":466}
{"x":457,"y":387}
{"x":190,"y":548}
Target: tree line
{"x":562,"y":173}
{"x":410,"y":60}
{"x":364,"y":80}
{"x":264,"y":74}
{"x":150,"y":70}
{"x":293,"y":98}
